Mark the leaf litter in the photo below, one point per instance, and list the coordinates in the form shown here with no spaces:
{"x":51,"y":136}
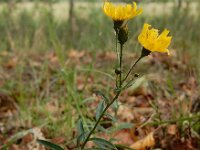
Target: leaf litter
{"x":156,"y":98}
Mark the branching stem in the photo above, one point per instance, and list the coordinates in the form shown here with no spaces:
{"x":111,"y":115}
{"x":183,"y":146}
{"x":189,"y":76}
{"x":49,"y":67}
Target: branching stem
{"x":99,"y":119}
{"x":119,"y":58}
{"x":118,"y":86}
{"x":130,"y":70}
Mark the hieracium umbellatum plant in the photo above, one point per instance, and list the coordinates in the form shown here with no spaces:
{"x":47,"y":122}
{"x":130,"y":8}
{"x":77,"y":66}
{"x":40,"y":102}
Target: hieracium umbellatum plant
{"x":150,"y":40}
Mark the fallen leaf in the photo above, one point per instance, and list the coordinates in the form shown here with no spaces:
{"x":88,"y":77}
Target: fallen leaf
{"x":172,"y":129}
{"x":144,"y":143}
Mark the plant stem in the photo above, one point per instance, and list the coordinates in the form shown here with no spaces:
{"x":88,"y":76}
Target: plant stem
{"x":116,"y":44}
{"x":130,"y":70}
{"x":120,"y":65}
{"x":116,"y":47}
{"x":99,"y":119}
{"x":119,"y":61}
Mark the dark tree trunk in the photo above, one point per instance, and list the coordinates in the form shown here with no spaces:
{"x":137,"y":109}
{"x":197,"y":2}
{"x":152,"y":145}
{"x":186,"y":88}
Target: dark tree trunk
{"x":71,"y":20}
{"x":11,"y":7}
{"x":179,"y":4}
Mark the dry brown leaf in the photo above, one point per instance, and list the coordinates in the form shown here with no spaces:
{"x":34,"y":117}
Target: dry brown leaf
{"x":74,"y":54}
{"x":52,"y":57}
{"x":135,"y":133}
{"x":52,"y":107}
{"x":7,"y":105}
{"x":172,"y":129}
{"x":144,"y":143}
{"x":12,"y":63}
{"x":58,"y":140}
{"x":107,"y":56}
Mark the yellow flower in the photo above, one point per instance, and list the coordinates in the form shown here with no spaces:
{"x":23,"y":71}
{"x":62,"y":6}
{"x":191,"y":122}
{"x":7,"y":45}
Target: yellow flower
{"x":150,"y":39}
{"x":121,"y":12}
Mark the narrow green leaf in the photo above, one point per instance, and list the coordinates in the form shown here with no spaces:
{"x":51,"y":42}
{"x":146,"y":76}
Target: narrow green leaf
{"x":80,"y":127}
{"x":111,"y":117}
{"x":102,"y":143}
{"x":100,"y":109}
{"x":115,"y":105}
{"x":101,"y":128}
{"x":95,"y":149}
{"x":90,"y":125}
{"x":81,"y":138}
{"x":105,"y":98}
{"x":124,"y":126}
{"x":49,"y":145}
{"x":119,"y":146}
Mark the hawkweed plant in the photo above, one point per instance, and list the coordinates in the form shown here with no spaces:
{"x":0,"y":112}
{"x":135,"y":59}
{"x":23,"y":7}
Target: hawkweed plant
{"x":150,"y":41}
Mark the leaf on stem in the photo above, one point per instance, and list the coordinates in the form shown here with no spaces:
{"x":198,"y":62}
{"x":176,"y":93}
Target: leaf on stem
{"x":104,"y":144}
{"x":111,"y":117}
{"x":100,"y":109}
{"x":101,"y":128}
{"x":49,"y":145}
{"x":115,"y":105}
{"x":94,"y":148}
{"x":106,"y":99}
{"x":81,"y":138}
{"x":124,"y":126}
{"x":81,"y":131}
{"x":119,"y":146}
{"x":80,"y":127}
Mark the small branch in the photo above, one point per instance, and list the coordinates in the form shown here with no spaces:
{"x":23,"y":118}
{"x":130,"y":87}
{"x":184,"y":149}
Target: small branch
{"x":130,"y":70}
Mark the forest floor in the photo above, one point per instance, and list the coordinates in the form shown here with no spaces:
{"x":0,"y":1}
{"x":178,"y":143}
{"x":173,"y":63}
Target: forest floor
{"x":44,"y":93}
{"x":38,"y":101}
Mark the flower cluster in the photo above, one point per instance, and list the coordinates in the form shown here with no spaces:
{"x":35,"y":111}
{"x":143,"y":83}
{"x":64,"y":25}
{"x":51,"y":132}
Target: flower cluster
{"x":149,"y":37}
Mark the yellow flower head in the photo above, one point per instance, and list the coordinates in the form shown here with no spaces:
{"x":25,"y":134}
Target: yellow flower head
{"x":150,"y":39}
{"x":121,"y":12}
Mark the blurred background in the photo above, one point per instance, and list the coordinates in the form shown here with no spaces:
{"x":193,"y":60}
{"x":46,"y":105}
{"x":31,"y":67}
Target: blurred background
{"x":28,"y":25}
{"x":49,"y":50}
{"x":44,"y":25}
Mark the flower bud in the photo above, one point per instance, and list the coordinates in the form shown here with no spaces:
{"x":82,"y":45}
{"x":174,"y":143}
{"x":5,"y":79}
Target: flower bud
{"x":123,"y":35}
{"x":117,"y":71}
{"x":136,"y":75}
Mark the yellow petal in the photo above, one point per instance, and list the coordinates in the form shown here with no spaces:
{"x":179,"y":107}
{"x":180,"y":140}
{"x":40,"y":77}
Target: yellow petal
{"x":150,"y":39}
{"x":121,"y":12}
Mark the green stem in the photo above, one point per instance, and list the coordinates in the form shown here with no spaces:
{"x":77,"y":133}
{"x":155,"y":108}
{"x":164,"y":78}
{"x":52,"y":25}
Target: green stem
{"x":99,"y":119}
{"x":130,"y":70}
{"x":116,"y":44}
{"x":119,"y":59}
{"x":120,"y":65}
